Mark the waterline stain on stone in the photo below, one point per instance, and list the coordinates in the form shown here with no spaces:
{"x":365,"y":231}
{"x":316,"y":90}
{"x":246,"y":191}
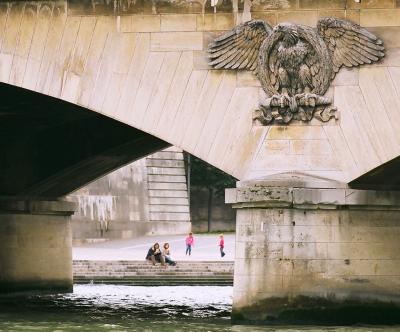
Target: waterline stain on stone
{"x":304,"y":310}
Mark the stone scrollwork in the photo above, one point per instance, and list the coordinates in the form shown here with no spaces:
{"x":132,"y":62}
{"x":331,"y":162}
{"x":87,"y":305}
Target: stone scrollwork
{"x":295,"y":63}
{"x":302,"y":107}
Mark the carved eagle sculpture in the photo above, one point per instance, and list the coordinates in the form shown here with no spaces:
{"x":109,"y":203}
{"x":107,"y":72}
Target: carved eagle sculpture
{"x":295,"y":63}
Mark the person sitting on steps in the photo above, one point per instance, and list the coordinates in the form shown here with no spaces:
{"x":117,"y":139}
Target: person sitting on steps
{"x":167,"y":255}
{"x":154,"y":255}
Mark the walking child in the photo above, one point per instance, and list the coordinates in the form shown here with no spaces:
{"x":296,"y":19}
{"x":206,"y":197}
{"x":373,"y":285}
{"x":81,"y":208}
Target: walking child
{"x":221,"y":245}
{"x":189,"y":243}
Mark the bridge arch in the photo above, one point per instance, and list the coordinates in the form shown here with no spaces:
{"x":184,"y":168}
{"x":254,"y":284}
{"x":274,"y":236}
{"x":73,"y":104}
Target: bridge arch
{"x":50,"y":147}
{"x":149,"y":70}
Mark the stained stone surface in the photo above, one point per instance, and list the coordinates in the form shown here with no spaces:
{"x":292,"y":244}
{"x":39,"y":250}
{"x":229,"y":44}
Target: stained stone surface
{"x":128,"y":7}
{"x":35,"y":246}
{"x":149,"y":70}
{"x":306,"y":254}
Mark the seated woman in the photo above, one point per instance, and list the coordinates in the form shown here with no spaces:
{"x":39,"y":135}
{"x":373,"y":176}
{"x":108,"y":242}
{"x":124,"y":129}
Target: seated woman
{"x":154,"y":255}
{"x":167,"y":255}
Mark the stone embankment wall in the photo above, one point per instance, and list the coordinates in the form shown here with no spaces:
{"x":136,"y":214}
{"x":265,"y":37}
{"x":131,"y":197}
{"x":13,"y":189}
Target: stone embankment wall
{"x":149,"y":196}
{"x":146,"y":197}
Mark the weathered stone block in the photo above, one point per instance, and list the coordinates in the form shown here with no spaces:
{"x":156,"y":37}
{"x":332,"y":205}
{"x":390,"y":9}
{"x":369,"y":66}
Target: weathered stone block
{"x":309,"y":147}
{"x":319,"y":197}
{"x":145,"y":23}
{"x":176,"y":41}
{"x":166,"y":170}
{"x":274,"y":5}
{"x":215,"y":22}
{"x":371,"y":4}
{"x":346,"y":76}
{"x":295,"y":163}
{"x":168,"y":163}
{"x":265,"y":196}
{"x":169,"y":200}
{"x":125,"y":24}
{"x":167,"y":186}
{"x":178,"y":22}
{"x":167,"y":178}
{"x":309,"y":17}
{"x":353,"y":16}
{"x":371,"y":197}
{"x":169,"y":208}
{"x":169,"y":216}
{"x":313,"y":253}
{"x":269,"y":17}
{"x":296,"y":132}
{"x":163,"y":193}
{"x":332,"y":13}
{"x":389,"y":35}
{"x":230,"y":196}
{"x":327,"y":4}
{"x":201,"y":60}
{"x":380,"y":17}
{"x":36,"y":246}
{"x":247,"y":78}
{"x":280,"y":147}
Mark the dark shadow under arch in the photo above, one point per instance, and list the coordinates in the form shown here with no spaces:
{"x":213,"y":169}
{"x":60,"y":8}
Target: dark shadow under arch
{"x":383,"y":177}
{"x":50,"y":147}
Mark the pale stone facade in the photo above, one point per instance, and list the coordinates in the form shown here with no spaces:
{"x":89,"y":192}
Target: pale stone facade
{"x":148,"y":68}
{"x":35,"y":245}
{"x":146,"y":197}
{"x":309,"y":250}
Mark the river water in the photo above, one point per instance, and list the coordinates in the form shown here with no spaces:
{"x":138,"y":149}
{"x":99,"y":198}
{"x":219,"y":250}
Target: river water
{"x":131,"y":308}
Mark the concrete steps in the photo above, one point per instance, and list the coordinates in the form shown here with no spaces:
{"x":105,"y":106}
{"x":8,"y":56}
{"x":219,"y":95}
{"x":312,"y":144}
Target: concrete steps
{"x":144,"y":273}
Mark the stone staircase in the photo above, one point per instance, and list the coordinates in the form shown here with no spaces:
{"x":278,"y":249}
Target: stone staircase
{"x":168,"y":195}
{"x":142,"y":273}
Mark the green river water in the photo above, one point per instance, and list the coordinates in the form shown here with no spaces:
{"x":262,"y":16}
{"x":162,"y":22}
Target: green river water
{"x":130,"y":308}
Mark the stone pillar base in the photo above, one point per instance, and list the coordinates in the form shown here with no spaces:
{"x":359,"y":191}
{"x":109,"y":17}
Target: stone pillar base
{"x":35,"y":246}
{"x":322,"y":255}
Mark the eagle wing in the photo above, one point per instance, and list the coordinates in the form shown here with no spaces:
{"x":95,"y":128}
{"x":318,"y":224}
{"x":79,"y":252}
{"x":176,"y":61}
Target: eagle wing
{"x":239,"y":48}
{"x":349,"y":44}
{"x":317,"y":61}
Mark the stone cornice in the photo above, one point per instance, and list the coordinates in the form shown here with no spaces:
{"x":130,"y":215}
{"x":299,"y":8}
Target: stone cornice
{"x":312,"y":198}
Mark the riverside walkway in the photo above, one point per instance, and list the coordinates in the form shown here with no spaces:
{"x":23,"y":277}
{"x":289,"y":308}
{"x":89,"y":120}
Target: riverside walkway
{"x":122,"y":261}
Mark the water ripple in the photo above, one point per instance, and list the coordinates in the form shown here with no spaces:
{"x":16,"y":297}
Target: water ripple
{"x":129,"y":308}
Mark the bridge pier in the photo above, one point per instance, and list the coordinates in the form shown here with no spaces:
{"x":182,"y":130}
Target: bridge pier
{"x":35,"y":246}
{"x":312,"y":251}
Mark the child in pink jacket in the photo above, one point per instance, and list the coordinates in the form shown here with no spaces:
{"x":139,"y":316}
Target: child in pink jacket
{"x":189,"y":243}
{"x":221,"y":245}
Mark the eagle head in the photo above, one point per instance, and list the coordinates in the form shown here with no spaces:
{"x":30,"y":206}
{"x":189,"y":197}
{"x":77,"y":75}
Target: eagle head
{"x":289,"y":33}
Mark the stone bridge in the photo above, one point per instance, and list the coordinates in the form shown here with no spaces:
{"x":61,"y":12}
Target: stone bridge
{"x":88,"y":86}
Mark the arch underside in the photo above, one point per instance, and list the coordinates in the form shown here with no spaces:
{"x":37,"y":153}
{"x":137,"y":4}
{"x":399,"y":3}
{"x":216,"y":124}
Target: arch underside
{"x":50,"y":147}
{"x":383,"y":177}
{"x":149,"y":71}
